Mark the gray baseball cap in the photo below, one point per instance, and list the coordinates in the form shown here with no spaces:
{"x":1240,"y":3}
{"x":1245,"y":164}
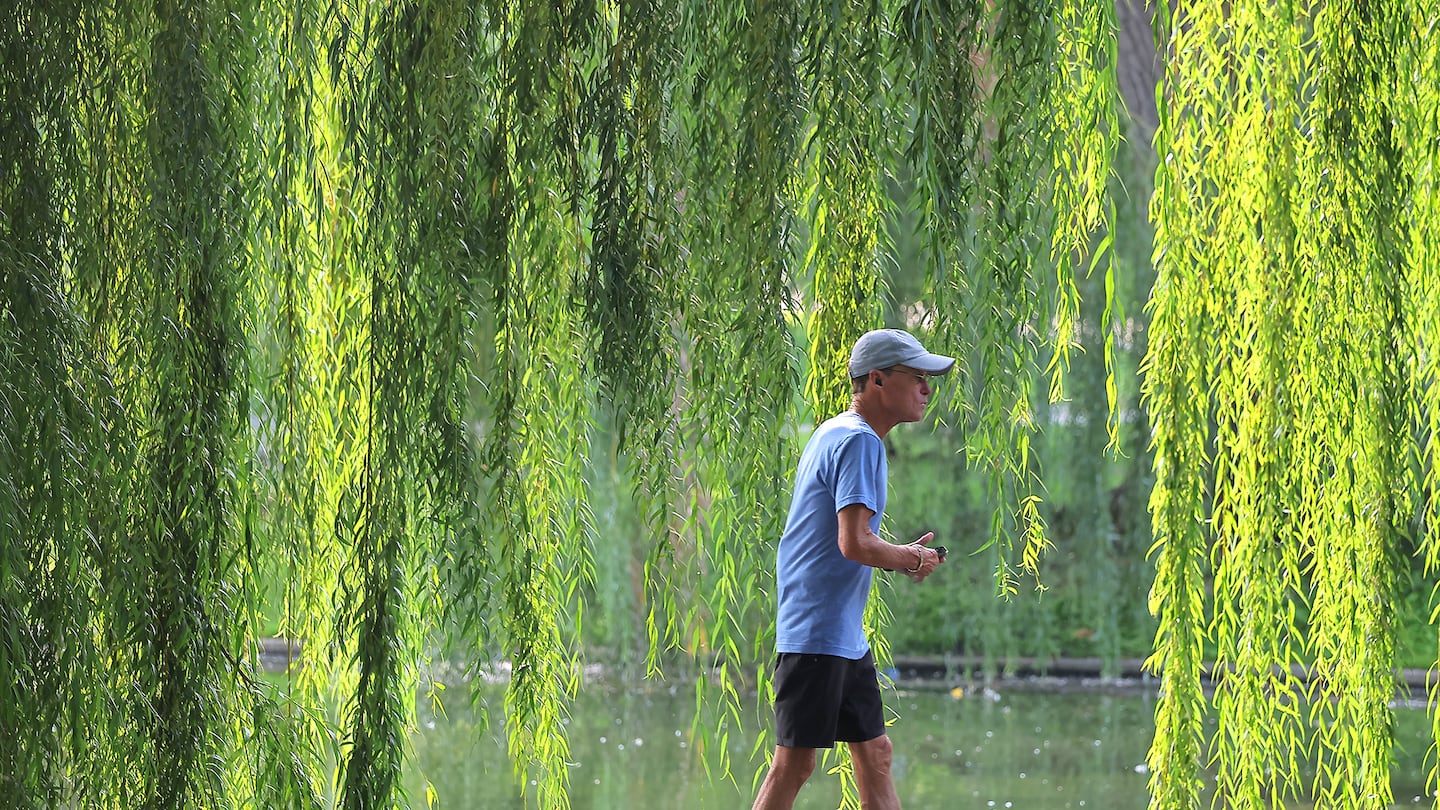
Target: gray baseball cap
{"x":883,"y":348}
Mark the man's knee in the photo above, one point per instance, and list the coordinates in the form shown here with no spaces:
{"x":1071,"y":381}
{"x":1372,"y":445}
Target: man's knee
{"x":873,"y":755}
{"x":793,"y":763}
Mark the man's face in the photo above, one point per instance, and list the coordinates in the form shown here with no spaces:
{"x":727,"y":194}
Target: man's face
{"x":906,"y":393}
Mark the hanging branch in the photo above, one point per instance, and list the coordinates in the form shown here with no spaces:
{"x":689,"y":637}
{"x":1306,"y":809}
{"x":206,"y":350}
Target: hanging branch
{"x":1086,"y":108}
{"x":939,"y":41}
{"x":307,"y":410}
{"x":1174,"y":374}
{"x":377,"y":512}
{"x":51,"y":437}
{"x":415,"y":91}
{"x":623,"y":112}
{"x":636,"y":285}
{"x":844,"y":200}
{"x":539,"y":396}
{"x":706,"y":81}
{"x":1260,"y":733}
{"x":1358,"y":245}
{"x":1005,"y":304}
{"x":739,"y":123}
{"x":1418,"y":102}
{"x":187,"y":413}
{"x":113,"y":242}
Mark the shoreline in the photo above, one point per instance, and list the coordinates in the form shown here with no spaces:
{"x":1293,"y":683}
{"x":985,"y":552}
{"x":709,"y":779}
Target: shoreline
{"x":1084,"y":673}
{"x":944,"y":672}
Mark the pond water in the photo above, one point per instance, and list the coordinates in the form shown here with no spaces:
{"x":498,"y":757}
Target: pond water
{"x":1015,"y":749}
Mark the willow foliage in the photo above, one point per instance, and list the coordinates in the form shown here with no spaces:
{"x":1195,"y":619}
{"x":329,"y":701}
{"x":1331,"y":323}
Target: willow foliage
{"x":1290,"y":389}
{"x":335,"y":298}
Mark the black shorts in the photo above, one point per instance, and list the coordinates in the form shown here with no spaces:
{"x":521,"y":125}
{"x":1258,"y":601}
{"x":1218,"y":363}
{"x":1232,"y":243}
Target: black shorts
{"x":824,"y":699}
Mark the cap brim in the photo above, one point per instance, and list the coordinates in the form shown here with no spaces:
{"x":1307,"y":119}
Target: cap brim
{"x":933,"y":364}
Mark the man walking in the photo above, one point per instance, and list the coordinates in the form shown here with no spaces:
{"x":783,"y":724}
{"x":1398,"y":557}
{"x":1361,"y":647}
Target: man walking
{"x":826,"y":688}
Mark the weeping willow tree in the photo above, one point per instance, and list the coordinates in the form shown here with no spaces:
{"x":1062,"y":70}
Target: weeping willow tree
{"x":336,"y":295}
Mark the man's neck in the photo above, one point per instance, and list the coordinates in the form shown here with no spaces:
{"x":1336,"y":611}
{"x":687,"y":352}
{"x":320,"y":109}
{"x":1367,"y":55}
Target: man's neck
{"x":872,"y":416}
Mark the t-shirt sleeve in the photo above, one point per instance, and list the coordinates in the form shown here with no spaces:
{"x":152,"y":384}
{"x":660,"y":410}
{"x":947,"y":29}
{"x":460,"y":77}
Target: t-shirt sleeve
{"x":858,"y":464}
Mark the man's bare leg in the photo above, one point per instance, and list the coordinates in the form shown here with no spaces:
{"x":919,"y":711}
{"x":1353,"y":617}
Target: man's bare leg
{"x":788,"y":772}
{"x":872,"y":773}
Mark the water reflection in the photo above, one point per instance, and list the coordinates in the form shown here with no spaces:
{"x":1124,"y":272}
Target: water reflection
{"x":634,"y":749}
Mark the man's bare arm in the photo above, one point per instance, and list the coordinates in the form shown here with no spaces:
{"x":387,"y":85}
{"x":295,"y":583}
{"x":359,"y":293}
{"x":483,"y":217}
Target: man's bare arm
{"x":863,"y":546}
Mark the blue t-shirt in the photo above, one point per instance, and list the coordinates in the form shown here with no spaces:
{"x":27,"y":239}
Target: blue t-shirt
{"x":821,"y":594}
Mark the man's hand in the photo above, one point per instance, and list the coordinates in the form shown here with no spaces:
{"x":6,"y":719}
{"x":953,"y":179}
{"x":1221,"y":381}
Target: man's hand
{"x":927,"y":559}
